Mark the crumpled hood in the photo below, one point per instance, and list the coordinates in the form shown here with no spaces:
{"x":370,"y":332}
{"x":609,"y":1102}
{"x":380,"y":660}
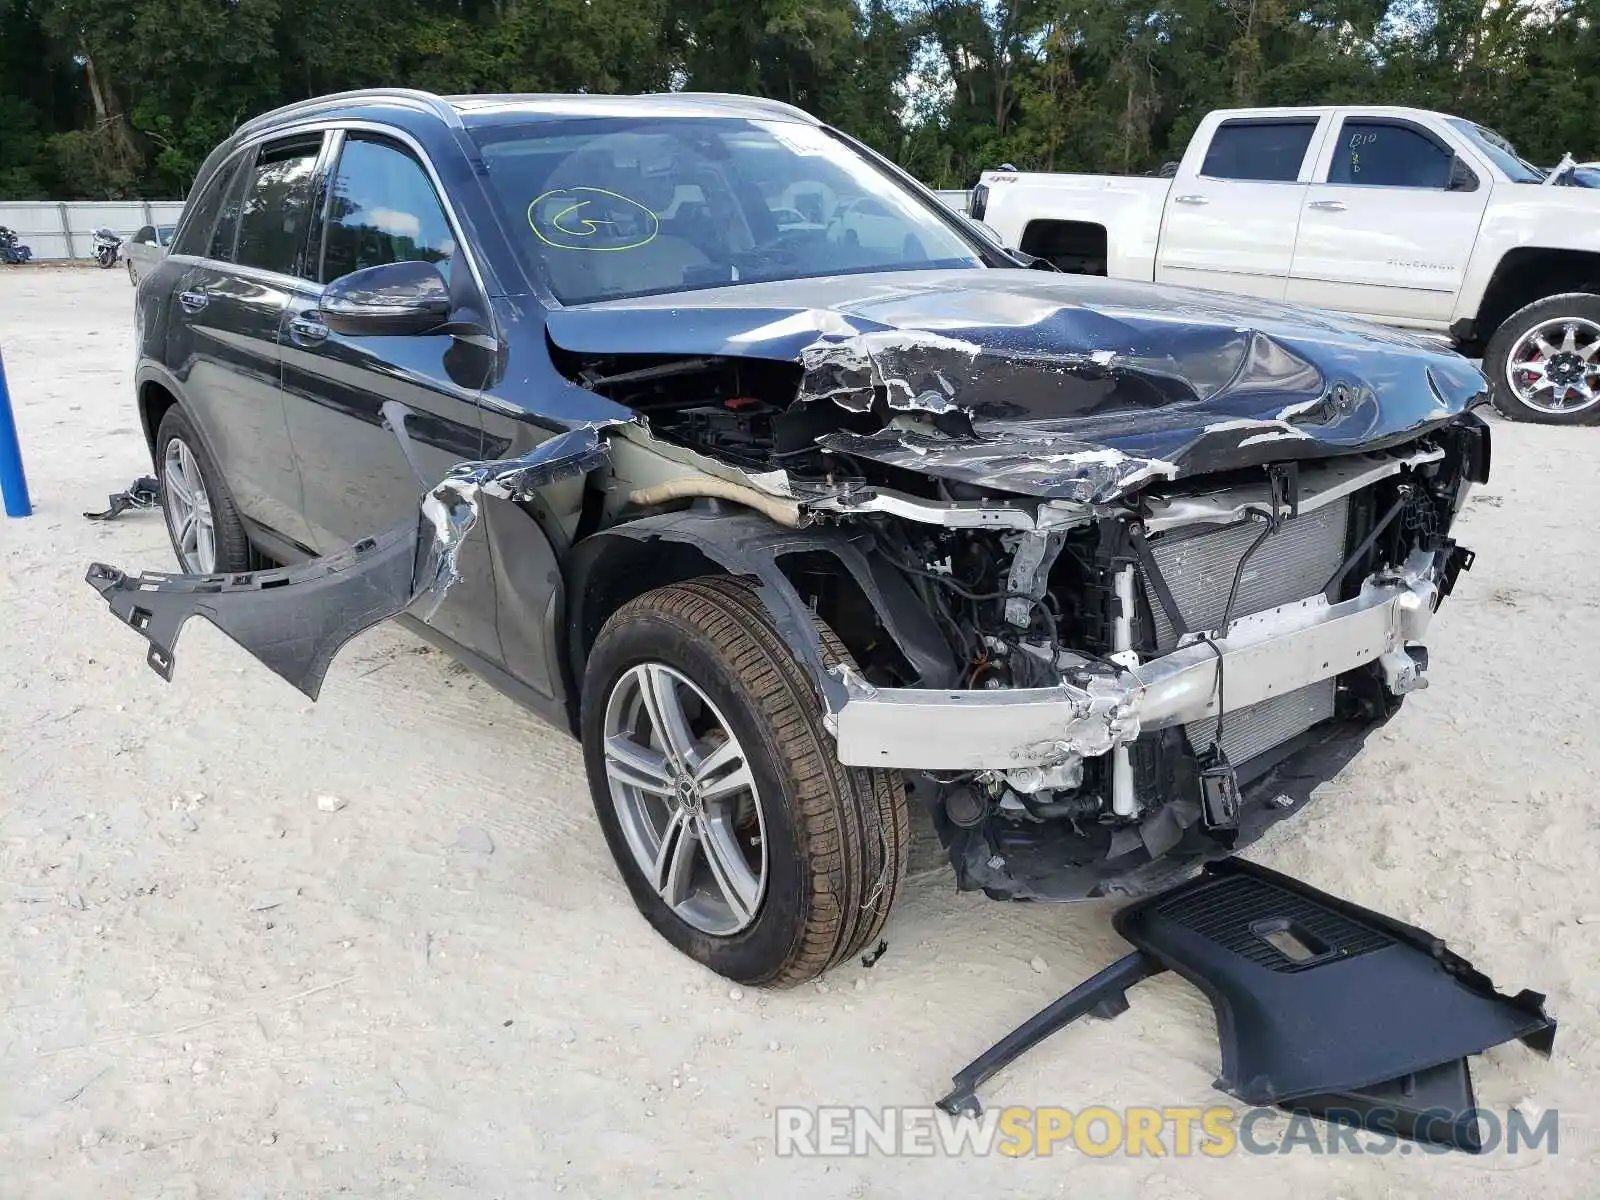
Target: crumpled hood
{"x":1057,"y":385}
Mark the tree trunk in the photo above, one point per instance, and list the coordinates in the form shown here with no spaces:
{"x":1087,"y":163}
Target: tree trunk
{"x":102,"y":111}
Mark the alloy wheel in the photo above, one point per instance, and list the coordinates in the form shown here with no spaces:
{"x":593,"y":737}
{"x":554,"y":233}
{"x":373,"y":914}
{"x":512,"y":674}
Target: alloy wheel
{"x":188,"y":509}
{"x":1554,"y":367}
{"x":686,"y":799}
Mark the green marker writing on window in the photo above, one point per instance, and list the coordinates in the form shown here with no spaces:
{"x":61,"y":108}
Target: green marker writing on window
{"x":589,"y":218}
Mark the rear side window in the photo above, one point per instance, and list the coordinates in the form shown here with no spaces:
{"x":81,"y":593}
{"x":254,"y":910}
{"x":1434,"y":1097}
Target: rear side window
{"x":277,"y":207}
{"x":1271,"y":151}
{"x":197,"y":229}
{"x":227,"y":230}
{"x":1378,"y":154}
{"x":383,"y":209}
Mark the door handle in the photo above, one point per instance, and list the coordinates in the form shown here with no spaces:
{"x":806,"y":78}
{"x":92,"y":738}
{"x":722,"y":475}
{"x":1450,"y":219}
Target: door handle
{"x":1327,"y":205}
{"x":1193,"y":200}
{"x":307,"y":331}
{"x":193,"y":302}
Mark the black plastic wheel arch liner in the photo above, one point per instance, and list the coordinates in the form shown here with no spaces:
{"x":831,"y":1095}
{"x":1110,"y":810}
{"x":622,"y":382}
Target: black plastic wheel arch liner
{"x":296,"y":619}
{"x":1374,"y":1001}
{"x":295,"y":633}
{"x":1322,"y":1006}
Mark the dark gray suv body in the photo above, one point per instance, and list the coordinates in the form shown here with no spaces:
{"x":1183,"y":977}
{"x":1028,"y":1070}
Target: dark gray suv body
{"x":712,"y":437}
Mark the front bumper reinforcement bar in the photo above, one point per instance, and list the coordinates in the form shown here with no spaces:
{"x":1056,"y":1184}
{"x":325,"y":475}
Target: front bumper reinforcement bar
{"x":1263,"y":655}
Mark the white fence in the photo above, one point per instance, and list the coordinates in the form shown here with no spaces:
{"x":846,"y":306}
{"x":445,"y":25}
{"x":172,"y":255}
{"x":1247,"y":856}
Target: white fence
{"x":66,"y":230}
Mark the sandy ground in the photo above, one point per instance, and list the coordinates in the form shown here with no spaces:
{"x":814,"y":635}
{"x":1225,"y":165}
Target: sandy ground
{"x":211,"y":987}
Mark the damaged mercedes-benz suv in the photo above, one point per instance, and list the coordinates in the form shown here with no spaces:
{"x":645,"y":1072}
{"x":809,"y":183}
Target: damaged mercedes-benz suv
{"x":705,"y":432}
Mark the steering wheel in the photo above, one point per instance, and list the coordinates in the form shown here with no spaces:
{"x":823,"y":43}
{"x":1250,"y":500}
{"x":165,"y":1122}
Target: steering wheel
{"x":782,"y":249}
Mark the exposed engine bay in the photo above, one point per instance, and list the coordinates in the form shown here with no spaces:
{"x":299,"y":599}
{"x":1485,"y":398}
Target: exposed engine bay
{"x":1074,"y":602}
{"x":1122,"y":575}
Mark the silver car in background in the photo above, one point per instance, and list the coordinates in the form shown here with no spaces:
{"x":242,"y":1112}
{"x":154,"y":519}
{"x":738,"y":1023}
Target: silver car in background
{"x":146,"y":248}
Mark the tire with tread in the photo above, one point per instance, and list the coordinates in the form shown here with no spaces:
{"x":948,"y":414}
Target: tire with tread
{"x":837,"y":836}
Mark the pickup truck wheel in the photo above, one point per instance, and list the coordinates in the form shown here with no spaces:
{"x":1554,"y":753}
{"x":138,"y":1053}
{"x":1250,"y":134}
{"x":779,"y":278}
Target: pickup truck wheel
{"x":1543,"y":363}
{"x":741,"y":837}
{"x":207,"y":535}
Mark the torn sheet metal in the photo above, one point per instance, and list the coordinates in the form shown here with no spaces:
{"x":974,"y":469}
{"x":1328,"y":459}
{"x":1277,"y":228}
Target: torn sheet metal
{"x":913,"y":371}
{"x":1056,"y":385}
{"x":296,"y":619}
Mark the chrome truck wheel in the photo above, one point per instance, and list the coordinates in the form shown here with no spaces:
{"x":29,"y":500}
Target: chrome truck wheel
{"x":1543,"y":363}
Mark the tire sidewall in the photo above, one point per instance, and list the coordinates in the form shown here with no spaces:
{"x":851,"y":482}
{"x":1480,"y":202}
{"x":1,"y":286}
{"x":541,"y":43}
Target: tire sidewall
{"x":233,"y":547}
{"x":1498,"y":353}
{"x":757,"y":953}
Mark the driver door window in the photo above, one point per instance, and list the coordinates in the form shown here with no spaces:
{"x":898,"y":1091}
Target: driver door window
{"x":1381,"y":232}
{"x":1381,"y":154}
{"x":383,"y":209}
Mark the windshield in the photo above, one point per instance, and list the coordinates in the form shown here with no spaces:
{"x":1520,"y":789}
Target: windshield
{"x":610,"y":208}
{"x":1501,"y":151}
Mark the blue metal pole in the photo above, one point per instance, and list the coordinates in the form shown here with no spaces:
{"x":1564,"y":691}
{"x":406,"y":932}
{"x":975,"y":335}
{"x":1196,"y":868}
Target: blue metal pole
{"x":13,"y":483}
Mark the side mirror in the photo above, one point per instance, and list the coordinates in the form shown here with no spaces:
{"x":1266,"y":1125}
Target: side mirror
{"x":395,"y":298}
{"x":1462,"y":177}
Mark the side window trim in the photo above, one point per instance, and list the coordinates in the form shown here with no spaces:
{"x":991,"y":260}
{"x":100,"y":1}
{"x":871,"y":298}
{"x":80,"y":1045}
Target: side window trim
{"x":1313,"y":146}
{"x":1439,"y":143}
{"x":322,"y":199}
{"x":344,"y":127}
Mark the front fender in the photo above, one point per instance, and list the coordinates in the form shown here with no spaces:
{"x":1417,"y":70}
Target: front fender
{"x":748,"y":544}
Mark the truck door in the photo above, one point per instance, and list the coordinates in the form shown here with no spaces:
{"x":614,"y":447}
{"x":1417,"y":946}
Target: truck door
{"x":1389,"y":223}
{"x":1231,"y":217}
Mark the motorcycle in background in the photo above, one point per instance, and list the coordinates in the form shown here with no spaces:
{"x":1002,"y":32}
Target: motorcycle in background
{"x":106,"y":245}
{"x":11,"y":250}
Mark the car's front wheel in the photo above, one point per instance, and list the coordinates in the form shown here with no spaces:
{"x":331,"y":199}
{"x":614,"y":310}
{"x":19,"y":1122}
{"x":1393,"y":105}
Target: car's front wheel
{"x":741,"y":837}
{"x":1543,"y":363}
{"x":207,"y":535}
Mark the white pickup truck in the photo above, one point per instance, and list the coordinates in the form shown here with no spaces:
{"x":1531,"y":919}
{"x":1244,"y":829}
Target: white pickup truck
{"x":1411,"y":218}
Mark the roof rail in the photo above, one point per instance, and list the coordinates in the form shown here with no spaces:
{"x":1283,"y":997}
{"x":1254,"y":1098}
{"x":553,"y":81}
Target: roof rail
{"x":773,"y":106}
{"x":408,"y":97}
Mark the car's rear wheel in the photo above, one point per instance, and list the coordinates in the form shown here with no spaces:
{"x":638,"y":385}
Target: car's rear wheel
{"x":1543,"y":363}
{"x":133,"y":276}
{"x":207,"y":535}
{"x":741,"y":837}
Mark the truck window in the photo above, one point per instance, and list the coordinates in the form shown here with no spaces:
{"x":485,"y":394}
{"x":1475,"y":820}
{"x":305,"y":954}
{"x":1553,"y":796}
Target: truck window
{"x":1384,"y":154}
{"x":1260,"y":150}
